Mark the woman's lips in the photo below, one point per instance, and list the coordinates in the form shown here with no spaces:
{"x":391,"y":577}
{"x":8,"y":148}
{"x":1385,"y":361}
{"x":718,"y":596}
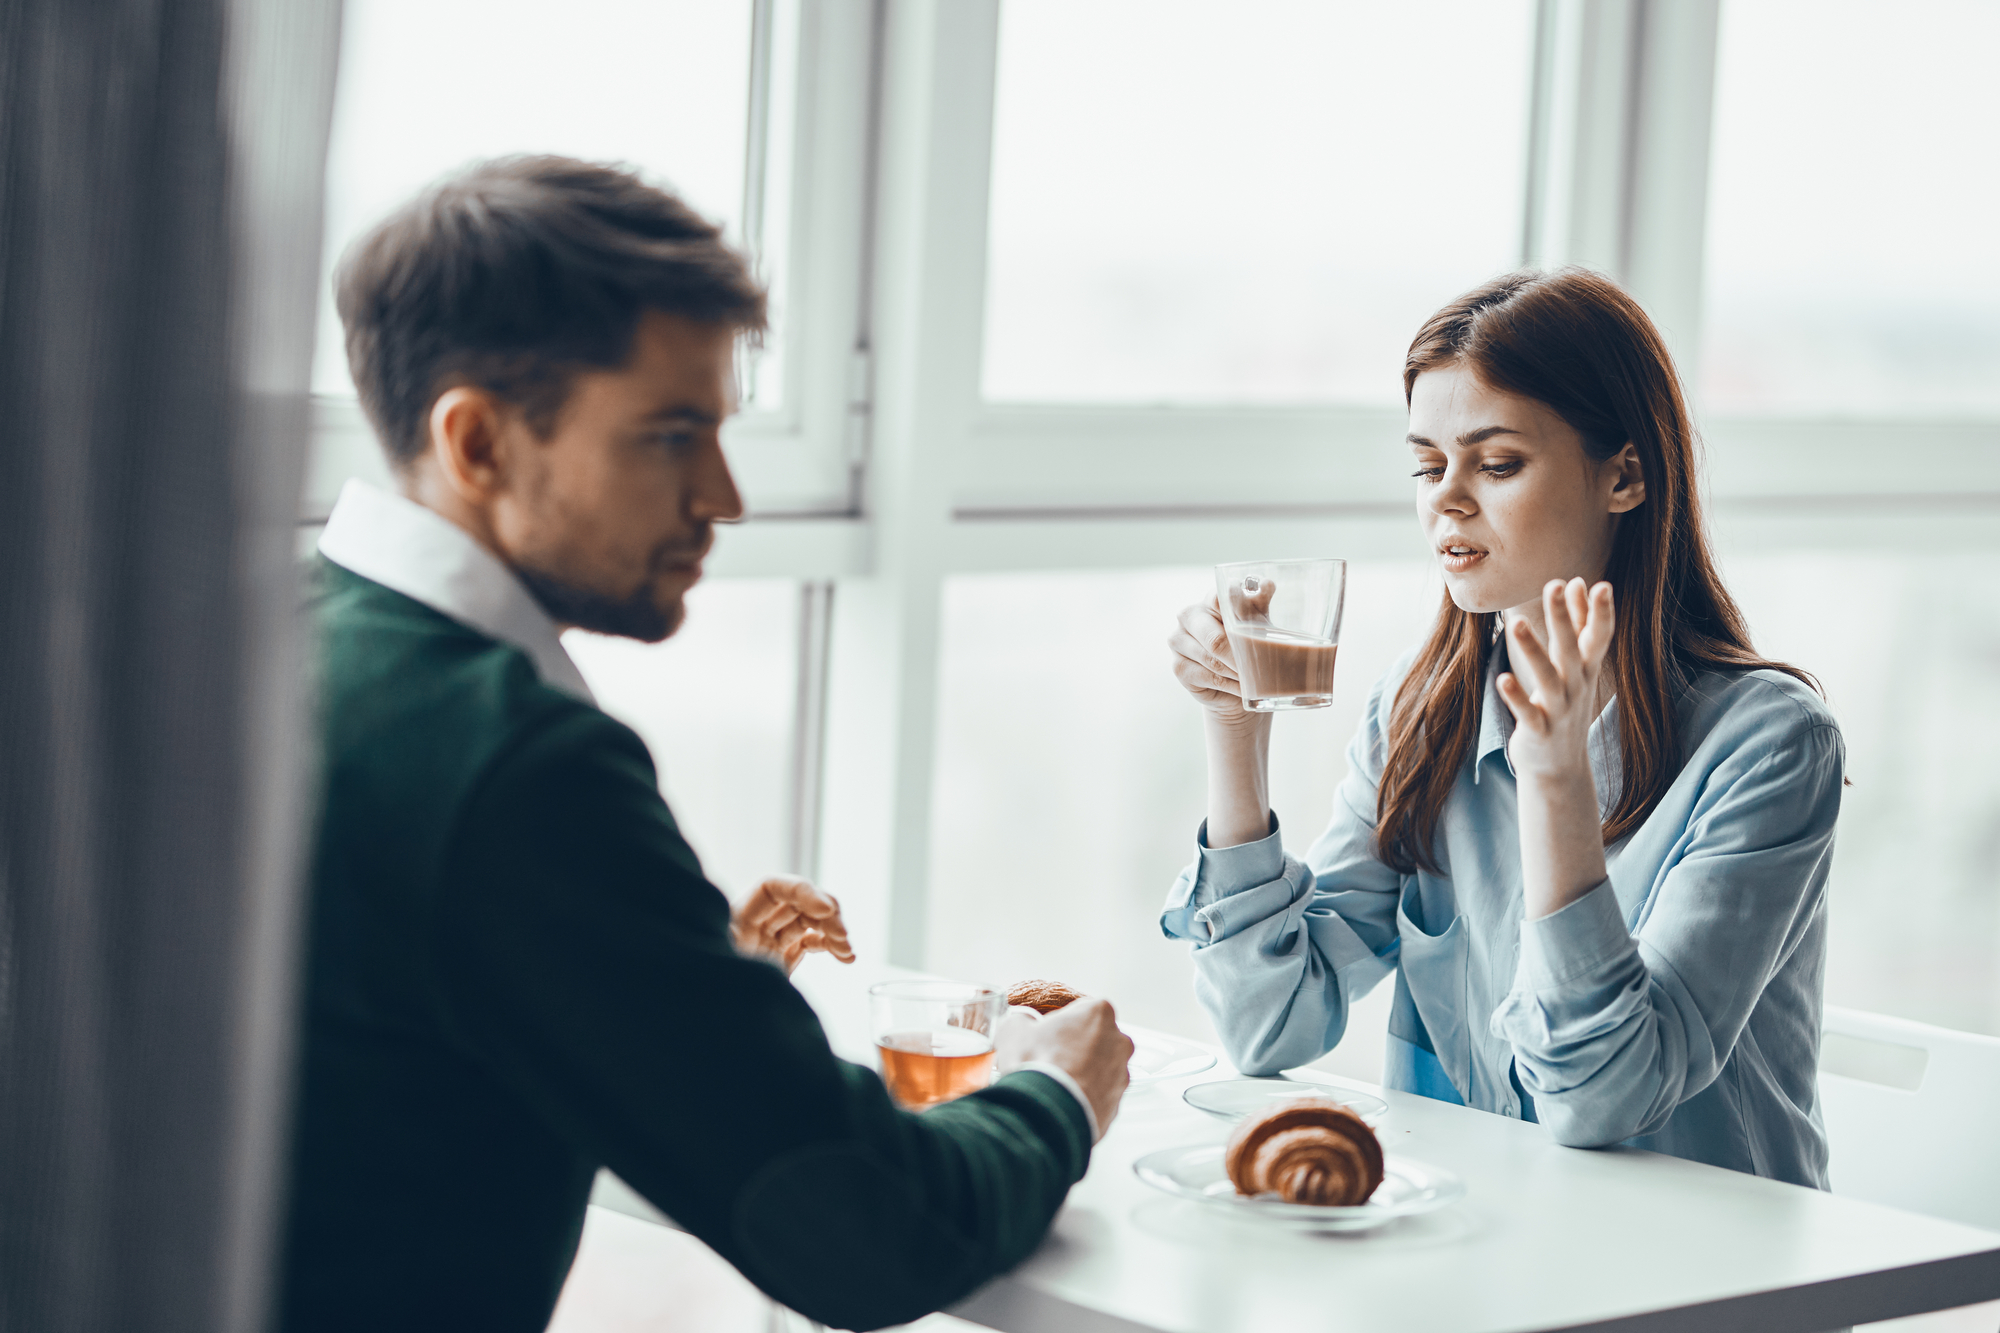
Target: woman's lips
{"x":1458,"y":558}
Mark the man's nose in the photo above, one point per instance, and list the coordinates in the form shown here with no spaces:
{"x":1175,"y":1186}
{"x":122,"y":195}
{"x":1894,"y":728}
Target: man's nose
{"x":715,"y":498}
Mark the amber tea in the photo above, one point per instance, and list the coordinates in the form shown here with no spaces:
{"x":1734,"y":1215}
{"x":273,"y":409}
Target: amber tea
{"x":934,"y":1039}
{"x":925,"y":1068}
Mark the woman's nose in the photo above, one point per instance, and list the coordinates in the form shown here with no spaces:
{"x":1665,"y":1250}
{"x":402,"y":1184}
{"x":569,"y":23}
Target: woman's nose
{"x":1451,"y":495}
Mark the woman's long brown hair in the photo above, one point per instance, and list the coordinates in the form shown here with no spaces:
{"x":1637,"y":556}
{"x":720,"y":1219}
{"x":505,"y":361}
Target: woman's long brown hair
{"x":1574,"y":341}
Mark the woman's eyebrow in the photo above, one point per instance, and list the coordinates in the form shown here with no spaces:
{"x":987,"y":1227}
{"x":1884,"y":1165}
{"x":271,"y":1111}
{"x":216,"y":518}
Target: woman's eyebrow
{"x":1470,"y":437}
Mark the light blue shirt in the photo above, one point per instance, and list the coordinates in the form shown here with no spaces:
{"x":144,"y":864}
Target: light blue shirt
{"x":1674,"y":1007}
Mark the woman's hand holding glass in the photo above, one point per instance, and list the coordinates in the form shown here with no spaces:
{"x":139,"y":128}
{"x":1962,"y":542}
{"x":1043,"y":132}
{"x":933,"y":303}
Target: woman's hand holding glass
{"x":1205,"y":665}
{"x":1239,"y":740}
{"x":1554,"y":693}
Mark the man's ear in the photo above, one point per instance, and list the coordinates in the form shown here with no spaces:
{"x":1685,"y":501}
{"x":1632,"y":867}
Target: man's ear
{"x":466,"y":443}
{"x":1628,"y":480}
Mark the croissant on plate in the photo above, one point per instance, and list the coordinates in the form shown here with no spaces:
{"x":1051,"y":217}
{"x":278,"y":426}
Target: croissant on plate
{"x":1044,"y":997}
{"x":1310,"y":1151}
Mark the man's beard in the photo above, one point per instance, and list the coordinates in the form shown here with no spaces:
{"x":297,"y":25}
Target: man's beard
{"x":632,"y":617}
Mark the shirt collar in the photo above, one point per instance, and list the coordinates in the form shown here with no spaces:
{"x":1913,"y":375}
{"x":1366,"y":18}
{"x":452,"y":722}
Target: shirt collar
{"x":1496,"y":721}
{"x":1496,"y":728}
{"x":425,"y":556}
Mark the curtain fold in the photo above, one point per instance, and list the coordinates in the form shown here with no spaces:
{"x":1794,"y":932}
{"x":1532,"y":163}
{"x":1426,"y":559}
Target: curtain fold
{"x":160,"y":183}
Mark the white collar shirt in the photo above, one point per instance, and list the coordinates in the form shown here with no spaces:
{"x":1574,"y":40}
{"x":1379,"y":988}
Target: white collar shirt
{"x":423,"y":555}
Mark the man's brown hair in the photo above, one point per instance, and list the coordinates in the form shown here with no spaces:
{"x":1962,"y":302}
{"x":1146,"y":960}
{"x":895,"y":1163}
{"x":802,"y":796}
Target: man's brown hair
{"x":515,"y":274}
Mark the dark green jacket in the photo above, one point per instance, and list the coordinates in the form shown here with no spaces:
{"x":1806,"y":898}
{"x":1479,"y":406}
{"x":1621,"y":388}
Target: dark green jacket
{"x":516,"y":973}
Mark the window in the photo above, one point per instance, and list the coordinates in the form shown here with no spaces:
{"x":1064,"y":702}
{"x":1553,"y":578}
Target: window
{"x":1200,"y":203}
{"x":1915,"y":920}
{"x":756,"y":111}
{"x":430,"y":85}
{"x":1851,"y":267}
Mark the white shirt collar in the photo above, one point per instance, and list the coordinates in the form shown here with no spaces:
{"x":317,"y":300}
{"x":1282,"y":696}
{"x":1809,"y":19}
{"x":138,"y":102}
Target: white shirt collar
{"x":425,"y":556}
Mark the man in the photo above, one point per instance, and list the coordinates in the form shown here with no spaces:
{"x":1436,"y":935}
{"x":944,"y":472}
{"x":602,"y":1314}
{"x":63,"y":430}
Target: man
{"x":516,"y":971}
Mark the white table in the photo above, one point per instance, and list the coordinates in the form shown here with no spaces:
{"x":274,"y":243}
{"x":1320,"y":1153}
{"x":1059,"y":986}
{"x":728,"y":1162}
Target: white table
{"x":1546,"y":1238}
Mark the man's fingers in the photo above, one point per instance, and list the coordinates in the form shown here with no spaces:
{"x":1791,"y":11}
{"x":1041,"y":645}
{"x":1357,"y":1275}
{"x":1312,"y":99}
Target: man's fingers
{"x":819,"y":941}
{"x":833,"y":939}
{"x":794,"y":931}
{"x":760,"y":908}
{"x":790,"y":893}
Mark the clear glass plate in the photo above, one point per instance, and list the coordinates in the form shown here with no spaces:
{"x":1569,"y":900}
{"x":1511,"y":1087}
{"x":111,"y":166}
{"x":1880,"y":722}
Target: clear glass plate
{"x":1195,"y":1172}
{"x":1155,"y":1056}
{"x":1234,"y":1098}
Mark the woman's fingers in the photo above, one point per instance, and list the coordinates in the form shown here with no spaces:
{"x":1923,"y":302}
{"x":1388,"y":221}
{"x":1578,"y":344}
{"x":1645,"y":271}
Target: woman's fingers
{"x":1531,"y":661}
{"x":1189,"y":650}
{"x":1595,"y":641}
{"x":1202,"y":660}
{"x":1201,"y":638}
{"x":1198,"y":672}
{"x":1562,"y":629}
{"x":1527,"y":713}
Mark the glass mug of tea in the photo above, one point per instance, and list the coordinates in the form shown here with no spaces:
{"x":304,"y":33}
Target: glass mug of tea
{"x":1283,"y":621}
{"x":934,"y":1039}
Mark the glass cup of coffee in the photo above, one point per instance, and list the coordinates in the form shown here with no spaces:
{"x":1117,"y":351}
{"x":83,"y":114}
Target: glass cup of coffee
{"x":1283,"y":619}
{"x":934,"y":1039}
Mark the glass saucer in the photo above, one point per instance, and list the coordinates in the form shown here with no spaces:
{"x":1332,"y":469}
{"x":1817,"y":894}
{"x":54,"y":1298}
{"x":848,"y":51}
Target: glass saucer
{"x":1157,"y":1056}
{"x":1234,"y":1098}
{"x":1195,"y":1172}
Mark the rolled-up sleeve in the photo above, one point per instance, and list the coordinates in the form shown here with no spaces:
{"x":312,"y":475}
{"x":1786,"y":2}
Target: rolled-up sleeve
{"x":1282,"y":946}
{"x":1612,"y":1028}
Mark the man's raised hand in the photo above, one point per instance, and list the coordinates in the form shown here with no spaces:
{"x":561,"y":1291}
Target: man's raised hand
{"x":786,"y":918}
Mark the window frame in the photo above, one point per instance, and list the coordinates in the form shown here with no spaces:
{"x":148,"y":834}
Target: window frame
{"x":885,"y":471}
{"x":801,"y":459}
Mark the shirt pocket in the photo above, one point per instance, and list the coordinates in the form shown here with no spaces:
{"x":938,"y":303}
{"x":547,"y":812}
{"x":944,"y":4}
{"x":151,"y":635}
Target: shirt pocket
{"x":1434,"y":968}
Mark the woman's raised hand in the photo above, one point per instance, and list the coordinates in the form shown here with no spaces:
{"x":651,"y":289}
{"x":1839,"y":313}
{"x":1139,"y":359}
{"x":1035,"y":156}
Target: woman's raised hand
{"x":1553,"y":689}
{"x":1204,"y":664}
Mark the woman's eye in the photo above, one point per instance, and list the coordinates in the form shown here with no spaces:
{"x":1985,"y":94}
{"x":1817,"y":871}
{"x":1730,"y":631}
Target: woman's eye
{"x":1428,"y":473}
{"x":1500,"y":469}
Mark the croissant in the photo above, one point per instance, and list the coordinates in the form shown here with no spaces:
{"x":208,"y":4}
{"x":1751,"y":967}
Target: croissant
{"x":1044,"y":997}
{"x":1310,"y":1151}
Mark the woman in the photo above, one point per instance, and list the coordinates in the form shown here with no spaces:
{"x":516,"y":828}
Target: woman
{"x":1593,"y":846}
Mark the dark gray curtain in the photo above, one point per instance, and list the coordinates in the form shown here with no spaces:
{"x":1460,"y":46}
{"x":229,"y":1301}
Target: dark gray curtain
{"x":160,"y":180}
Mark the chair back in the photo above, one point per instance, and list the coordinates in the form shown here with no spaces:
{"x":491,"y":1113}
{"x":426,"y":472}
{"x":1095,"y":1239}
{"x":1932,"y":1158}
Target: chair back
{"x":1910,"y":1113}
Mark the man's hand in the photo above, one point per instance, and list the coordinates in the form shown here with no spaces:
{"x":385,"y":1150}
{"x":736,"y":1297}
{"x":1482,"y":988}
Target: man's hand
{"x":1081,"y":1039}
{"x":785,"y":919}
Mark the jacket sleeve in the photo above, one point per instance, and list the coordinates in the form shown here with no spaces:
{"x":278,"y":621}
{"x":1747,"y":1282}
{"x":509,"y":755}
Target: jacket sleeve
{"x":588,"y":963}
{"x":1611,"y":1030}
{"x":1282,"y":947}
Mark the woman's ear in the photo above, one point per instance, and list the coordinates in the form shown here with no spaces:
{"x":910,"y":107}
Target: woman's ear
{"x":1628,"y":480}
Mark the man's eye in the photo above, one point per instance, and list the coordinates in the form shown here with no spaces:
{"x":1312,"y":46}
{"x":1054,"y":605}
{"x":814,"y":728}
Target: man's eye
{"x":675,"y":439}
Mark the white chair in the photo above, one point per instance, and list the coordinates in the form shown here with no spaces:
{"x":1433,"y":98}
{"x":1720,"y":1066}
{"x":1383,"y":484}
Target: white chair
{"x":1909,"y":1111}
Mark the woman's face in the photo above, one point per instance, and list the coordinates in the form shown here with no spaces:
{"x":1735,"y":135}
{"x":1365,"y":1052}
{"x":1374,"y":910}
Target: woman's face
{"x":1506,"y":493}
